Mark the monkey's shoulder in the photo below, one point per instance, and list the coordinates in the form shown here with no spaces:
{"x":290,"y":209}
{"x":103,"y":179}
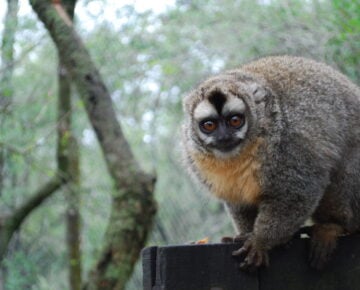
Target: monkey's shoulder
{"x":235,"y":180}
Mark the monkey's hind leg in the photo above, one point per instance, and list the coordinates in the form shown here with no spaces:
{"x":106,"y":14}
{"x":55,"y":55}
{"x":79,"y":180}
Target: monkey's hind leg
{"x":337,"y":212}
{"x":323,"y":243}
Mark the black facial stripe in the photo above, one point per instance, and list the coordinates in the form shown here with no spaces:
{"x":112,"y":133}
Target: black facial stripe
{"x":229,"y":114}
{"x":210,"y":117}
{"x":218,"y":99}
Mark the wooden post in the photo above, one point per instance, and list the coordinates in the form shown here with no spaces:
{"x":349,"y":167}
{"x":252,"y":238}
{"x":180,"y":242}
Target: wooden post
{"x":211,"y":267}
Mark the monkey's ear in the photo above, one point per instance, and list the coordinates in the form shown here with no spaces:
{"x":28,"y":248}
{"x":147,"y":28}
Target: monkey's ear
{"x":259,"y":92}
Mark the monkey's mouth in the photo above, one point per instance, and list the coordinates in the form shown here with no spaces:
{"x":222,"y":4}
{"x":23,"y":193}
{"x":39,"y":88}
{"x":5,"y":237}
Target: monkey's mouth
{"x":226,"y":146}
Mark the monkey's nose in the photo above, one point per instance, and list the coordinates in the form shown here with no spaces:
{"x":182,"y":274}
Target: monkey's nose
{"x":224,"y":142}
{"x":223,"y":138}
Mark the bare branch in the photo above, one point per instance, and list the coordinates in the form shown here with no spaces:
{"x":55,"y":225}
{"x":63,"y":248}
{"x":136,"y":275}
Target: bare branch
{"x":10,"y":223}
{"x":35,"y":200}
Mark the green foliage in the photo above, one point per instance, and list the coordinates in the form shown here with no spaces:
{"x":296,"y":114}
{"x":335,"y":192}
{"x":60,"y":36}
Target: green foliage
{"x":22,"y":272}
{"x":344,"y":45}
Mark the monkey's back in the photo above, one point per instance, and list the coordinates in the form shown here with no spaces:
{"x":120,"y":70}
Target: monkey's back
{"x":318,"y":103}
{"x":289,"y":75}
{"x":297,"y":80}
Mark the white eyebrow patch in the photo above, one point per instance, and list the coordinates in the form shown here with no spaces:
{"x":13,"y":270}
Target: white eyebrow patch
{"x":204,"y":110}
{"x":233,"y":104}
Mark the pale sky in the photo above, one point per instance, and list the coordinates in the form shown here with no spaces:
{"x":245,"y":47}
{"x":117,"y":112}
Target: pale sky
{"x":106,"y":9}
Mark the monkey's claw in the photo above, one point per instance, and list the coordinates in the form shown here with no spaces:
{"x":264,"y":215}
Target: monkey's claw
{"x":255,"y":256}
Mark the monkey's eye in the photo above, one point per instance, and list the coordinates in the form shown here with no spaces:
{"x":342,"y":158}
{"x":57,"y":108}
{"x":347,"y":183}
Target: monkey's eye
{"x":208,"y":126}
{"x":236,"y":121}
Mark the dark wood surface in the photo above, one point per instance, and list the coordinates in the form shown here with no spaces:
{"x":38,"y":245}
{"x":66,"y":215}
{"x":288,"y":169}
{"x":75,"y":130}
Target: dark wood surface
{"x":211,"y":267}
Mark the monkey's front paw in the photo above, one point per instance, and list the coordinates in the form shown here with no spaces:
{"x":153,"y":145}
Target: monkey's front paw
{"x":255,"y":255}
{"x":240,"y":238}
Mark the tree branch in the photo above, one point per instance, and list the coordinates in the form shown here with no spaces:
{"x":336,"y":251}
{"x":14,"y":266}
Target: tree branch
{"x":118,"y":155}
{"x":133,"y":206}
{"x":11,"y":223}
{"x":35,"y":200}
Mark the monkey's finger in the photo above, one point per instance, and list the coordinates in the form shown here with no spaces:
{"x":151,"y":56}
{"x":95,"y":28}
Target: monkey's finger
{"x":240,"y":252}
{"x":319,"y":255}
{"x":312,"y":251}
{"x":251,"y":257}
{"x":244,"y":266}
{"x":315,"y":247}
{"x":258,"y":258}
{"x":266,"y":260}
{"x":241,"y":238}
{"x":227,"y":240}
{"x":313,"y":254}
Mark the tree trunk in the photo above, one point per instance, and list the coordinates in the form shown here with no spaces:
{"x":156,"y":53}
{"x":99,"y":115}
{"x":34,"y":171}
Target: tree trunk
{"x":2,"y":170}
{"x":73,"y":224}
{"x":7,"y":54}
{"x":133,"y":206}
{"x":6,"y":72}
{"x":68,"y":165}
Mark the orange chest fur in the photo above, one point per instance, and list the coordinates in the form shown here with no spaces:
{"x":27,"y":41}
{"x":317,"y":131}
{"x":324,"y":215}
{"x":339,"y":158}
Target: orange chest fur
{"x":235,"y":179}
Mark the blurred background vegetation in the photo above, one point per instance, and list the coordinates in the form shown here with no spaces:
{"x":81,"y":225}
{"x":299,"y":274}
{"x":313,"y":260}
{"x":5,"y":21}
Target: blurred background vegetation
{"x":150,"y":55}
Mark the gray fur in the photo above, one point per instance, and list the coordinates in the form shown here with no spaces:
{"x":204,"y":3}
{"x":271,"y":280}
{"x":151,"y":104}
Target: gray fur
{"x":308,"y":115}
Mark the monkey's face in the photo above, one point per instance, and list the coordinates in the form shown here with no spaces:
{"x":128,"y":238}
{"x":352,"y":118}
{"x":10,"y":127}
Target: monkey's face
{"x":223,"y":113}
{"x":220,"y":123}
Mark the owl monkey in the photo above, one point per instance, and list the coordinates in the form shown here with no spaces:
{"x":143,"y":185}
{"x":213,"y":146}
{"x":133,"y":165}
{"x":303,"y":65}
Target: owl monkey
{"x":278,"y":141}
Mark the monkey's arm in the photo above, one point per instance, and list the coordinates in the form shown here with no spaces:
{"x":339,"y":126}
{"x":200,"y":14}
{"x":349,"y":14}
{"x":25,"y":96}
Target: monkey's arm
{"x":293,"y":188}
{"x":243,"y":217}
